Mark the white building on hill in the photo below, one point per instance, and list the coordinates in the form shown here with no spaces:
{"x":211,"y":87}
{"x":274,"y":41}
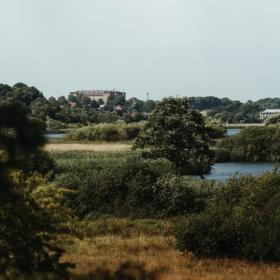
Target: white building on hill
{"x":269,"y":113}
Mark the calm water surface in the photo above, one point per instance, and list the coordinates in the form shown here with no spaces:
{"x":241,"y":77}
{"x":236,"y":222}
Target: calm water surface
{"x":223,"y":171}
{"x":232,"y":131}
{"x":53,"y":135}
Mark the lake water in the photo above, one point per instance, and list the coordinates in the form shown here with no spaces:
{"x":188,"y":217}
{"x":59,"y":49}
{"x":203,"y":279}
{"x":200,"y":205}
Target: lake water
{"x":223,"y":171}
{"x":53,"y":135}
{"x":232,"y":131}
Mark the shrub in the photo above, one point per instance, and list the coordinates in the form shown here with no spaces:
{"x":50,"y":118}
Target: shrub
{"x":243,"y":221}
{"x":117,"y":187}
{"x":174,"y":195}
{"x":253,"y":144}
{"x":53,"y":201}
{"x":106,"y":132}
{"x":38,"y":161}
{"x":25,"y":240}
{"x":129,"y":185}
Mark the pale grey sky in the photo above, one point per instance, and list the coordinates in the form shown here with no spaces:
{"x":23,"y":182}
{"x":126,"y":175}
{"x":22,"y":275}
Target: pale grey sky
{"x":166,"y":47}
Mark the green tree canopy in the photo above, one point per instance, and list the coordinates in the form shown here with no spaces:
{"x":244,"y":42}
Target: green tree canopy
{"x":176,"y":132}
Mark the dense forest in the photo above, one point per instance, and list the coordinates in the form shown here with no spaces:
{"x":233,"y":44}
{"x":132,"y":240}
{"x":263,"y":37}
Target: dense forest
{"x":59,"y":113}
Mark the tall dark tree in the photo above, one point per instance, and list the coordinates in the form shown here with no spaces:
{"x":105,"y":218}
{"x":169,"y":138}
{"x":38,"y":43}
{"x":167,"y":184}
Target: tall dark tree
{"x":22,"y":245}
{"x":26,"y":94}
{"x":177,"y":133}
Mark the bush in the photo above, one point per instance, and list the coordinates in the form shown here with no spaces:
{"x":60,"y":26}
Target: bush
{"x":174,"y":195}
{"x":25,"y":240}
{"x":117,"y":187}
{"x":106,"y":132}
{"x":38,"y":161}
{"x":243,"y":221}
{"x":129,"y":185}
{"x":252,"y":144}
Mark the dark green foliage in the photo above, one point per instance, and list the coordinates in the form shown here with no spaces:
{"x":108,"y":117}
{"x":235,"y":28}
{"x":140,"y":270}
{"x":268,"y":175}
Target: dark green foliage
{"x":25,"y":94}
{"x":22,"y":244}
{"x":243,"y":221}
{"x":24,"y":228}
{"x":38,"y":161}
{"x":204,"y":103}
{"x":128,"y":185}
{"x":107,"y":117}
{"x":251,"y":144}
{"x":77,"y":115}
{"x":174,"y":195}
{"x":18,"y":134}
{"x":115,"y":186}
{"x":176,"y":133}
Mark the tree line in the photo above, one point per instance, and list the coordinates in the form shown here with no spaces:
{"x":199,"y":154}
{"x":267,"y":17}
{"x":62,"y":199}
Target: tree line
{"x":62,"y":111}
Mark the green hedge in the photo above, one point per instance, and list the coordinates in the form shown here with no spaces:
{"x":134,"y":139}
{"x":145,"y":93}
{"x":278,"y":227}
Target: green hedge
{"x":243,"y":221}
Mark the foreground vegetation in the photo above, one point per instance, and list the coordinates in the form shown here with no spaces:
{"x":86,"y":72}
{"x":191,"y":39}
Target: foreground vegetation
{"x":111,"y":241}
{"x":108,"y":213}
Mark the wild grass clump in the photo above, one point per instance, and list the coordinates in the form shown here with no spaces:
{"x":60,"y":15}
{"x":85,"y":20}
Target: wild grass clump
{"x":242,"y":221}
{"x":100,"y":225}
{"x":109,"y":132}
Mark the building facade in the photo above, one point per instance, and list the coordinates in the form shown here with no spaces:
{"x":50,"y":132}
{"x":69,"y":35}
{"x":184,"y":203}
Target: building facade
{"x":269,"y":113}
{"x":98,"y":95}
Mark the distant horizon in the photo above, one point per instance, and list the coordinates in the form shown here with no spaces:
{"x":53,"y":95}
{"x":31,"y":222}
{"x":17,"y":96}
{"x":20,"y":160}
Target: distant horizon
{"x":131,"y":96}
{"x":167,"y":48}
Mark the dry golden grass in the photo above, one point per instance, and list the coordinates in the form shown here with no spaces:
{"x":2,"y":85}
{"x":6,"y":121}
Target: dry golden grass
{"x":96,"y":147}
{"x":158,"y":251}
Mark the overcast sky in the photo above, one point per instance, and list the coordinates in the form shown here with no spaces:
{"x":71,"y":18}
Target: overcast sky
{"x":166,"y":47}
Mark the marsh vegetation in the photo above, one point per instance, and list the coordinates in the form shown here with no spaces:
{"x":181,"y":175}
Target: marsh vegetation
{"x":119,"y":214}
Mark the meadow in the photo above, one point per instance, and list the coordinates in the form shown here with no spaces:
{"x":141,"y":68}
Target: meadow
{"x":110,"y":237}
{"x":108,"y":242}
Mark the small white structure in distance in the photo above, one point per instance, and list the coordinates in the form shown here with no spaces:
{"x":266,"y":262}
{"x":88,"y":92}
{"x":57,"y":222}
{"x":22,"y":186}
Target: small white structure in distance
{"x":269,"y":113}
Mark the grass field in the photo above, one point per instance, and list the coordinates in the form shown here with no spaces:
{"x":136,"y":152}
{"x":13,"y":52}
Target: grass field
{"x":96,"y":147}
{"x":114,"y":241}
